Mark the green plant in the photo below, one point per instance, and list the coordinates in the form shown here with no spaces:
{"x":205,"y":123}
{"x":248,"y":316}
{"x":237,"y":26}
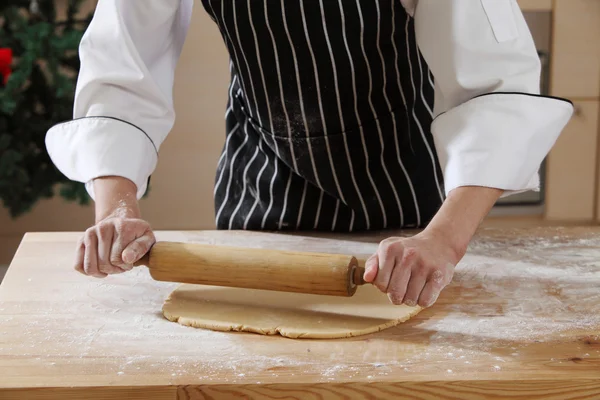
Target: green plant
{"x":38,"y":94}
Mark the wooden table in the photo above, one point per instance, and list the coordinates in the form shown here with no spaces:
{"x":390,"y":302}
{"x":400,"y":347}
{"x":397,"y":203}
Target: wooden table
{"x":521,"y":319}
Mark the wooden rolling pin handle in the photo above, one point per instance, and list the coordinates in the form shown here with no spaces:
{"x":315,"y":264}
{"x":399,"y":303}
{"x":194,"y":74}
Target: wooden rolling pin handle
{"x":251,"y":268}
{"x":358,"y":275}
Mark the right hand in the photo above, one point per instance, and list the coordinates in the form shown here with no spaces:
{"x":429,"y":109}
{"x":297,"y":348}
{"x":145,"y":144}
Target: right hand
{"x":120,"y":237}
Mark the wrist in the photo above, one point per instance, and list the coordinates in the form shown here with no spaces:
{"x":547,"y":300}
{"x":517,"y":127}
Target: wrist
{"x":460,"y":216}
{"x":446,"y":235}
{"x":115,"y":196}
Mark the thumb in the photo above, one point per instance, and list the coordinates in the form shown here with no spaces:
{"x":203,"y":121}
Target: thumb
{"x":138,"y":248}
{"x":371,"y":268}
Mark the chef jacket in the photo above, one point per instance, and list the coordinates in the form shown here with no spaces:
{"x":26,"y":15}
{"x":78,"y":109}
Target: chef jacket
{"x":342,"y":115}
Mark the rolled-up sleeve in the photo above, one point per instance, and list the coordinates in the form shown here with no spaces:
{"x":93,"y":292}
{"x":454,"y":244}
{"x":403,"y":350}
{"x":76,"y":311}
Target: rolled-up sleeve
{"x":492,"y":127}
{"x":123,"y":102}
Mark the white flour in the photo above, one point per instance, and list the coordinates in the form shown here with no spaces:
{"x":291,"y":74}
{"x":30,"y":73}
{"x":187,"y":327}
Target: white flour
{"x":547,"y":288}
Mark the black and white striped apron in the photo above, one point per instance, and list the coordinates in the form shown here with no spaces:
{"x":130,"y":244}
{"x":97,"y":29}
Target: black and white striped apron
{"x":328,"y":117}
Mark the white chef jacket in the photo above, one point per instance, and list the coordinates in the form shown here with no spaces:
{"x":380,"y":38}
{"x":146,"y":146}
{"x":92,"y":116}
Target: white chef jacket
{"x":491,"y":126}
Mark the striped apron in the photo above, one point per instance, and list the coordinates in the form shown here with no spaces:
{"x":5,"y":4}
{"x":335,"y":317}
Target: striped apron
{"x":328,"y":117}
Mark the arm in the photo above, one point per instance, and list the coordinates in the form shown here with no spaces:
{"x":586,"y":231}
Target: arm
{"x":123,"y":112}
{"x":492,"y":130}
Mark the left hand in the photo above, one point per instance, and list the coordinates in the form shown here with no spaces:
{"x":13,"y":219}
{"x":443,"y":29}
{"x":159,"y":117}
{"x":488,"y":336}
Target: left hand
{"x":413,"y":271}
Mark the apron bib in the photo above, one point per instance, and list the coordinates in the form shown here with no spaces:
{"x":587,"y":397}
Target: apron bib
{"x":328,"y":118}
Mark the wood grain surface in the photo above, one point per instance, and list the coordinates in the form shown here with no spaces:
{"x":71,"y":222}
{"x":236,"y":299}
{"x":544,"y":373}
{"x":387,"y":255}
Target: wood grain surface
{"x":520,"y":320}
{"x":250,"y":268}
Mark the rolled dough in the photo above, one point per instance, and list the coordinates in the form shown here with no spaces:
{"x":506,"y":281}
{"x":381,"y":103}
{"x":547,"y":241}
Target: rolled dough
{"x":288,"y":314}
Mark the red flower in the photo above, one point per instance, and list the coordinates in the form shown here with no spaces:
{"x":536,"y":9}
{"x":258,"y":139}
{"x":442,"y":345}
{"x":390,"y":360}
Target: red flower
{"x":6,"y":56}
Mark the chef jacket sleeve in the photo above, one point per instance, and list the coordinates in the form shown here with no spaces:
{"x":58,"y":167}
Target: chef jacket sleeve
{"x":491,"y":126}
{"x":123,"y":102}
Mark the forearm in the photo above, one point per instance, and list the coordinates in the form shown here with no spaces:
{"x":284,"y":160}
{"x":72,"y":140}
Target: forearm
{"x":114,"y":194}
{"x":462,"y":213}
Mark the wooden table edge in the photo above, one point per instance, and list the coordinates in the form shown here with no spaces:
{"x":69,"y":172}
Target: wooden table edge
{"x":532,"y":388}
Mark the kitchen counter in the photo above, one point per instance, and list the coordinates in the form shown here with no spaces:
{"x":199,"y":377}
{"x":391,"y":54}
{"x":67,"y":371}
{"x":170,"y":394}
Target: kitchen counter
{"x":520,"y":319}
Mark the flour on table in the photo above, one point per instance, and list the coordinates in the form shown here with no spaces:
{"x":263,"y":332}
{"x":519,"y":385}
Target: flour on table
{"x":548,"y":287}
{"x":509,"y":296}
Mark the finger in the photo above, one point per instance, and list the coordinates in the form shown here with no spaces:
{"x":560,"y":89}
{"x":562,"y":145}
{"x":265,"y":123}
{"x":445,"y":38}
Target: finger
{"x":438,"y":280}
{"x":123,"y":235}
{"x":371,"y":267}
{"x":105,"y":234}
{"x":399,"y":283}
{"x":415,"y":287}
{"x":138,"y":248}
{"x":389,"y":250}
{"x":116,"y":251}
{"x":90,"y":259}
{"x":402,"y":275}
{"x":79,"y":254}
{"x":430,"y":293}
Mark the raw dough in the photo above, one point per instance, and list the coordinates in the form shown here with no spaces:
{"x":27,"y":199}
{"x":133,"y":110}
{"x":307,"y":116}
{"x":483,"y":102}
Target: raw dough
{"x":288,"y":314}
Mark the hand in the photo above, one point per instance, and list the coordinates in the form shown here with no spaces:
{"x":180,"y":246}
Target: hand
{"x":113,"y":245}
{"x":120,"y":237}
{"x":413,"y":271}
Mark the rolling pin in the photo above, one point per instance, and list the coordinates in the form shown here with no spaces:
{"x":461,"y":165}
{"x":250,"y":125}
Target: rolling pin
{"x":251,"y":268}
